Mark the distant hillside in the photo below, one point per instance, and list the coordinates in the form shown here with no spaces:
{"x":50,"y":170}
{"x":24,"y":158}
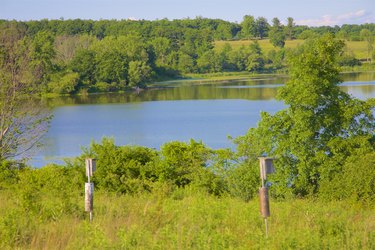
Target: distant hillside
{"x":358,"y":48}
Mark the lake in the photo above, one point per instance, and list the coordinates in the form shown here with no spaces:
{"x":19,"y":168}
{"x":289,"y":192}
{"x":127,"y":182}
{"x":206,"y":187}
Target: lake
{"x":181,"y":110}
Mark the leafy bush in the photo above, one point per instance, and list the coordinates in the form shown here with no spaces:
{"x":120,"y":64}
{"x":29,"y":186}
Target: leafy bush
{"x":355,"y":182}
{"x":123,"y":169}
{"x":244,"y":181}
{"x":16,"y":229}
{"x":63,"y":83}
{"x":50,"y":192}
{"x":8,"y":174}
{"x":186,"y":162}
{"x":134,"y":169}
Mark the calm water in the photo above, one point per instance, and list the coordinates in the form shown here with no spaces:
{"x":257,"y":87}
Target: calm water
{"x":174,"y":111}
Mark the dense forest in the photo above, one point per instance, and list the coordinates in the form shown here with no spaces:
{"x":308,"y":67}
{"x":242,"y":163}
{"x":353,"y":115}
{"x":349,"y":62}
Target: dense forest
{"x":112,"y":55}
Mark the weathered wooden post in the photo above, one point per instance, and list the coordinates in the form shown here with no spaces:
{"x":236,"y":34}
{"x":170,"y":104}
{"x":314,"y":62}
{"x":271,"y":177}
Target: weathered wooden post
{"x":89,"y":187}
{"x":266,"y":167}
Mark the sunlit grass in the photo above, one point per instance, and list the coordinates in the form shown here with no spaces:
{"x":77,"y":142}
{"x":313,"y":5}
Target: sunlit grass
{"x":358,"y":48}
{"x":265,"y":44}
{"x":187,"y":219}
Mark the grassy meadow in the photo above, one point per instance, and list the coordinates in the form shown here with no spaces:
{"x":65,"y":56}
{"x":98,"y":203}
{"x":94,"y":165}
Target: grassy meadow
{"x":358,"y":48}
{"x":186,"y":219}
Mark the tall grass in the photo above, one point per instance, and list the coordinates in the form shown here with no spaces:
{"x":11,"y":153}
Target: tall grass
{"x":189,"y":219}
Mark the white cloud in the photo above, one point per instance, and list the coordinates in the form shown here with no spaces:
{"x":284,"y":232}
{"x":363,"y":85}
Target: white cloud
{"x":357,"y":17}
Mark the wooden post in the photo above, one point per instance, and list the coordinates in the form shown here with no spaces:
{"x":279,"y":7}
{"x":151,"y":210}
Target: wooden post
{"x":264,"y":202}
{"x":89,"y":195}
{"x":89,"y":187}
{"x":265,"y":167}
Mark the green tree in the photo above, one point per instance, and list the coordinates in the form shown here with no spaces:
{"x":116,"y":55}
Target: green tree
{"x":133,"y":46}
{"x":63,"y":82}
{"x":138,"y":73}
{"x":224,"y":31}
{"x":277,"y":35}
{"x":162,"y":48}
{"x":262,"y":27}
{"x":342,"y":34}
{"x":277,"y":58}
{"x":290,"y":28}
{"x":248,"y":25}
{"x":41,"y":52}
{"x":238,"y":58}
{"x":321,"y":127}
{"x":209,"y":62}
{"x":367,"y":36}
{"x":307,"y":34}
{"x":255,"y":60}
{"x":186,"y":63}
{"x":23,"y":65}
{"x":84,"y":64}
{"x":225,"y":54}
{"x":122,"y":169}
{"x":67,"y":46}
{"x":111,"y":61}
{"x":187,"y":164}
{"x":248,"y":58}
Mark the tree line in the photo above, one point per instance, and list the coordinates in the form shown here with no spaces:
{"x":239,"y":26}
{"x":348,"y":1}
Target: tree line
{"x":112,"y":55}
{"x":249,"y":27}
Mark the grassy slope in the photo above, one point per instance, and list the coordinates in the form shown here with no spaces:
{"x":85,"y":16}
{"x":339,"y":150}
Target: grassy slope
{"x":358,"y":48}
{"x":190,"y":220}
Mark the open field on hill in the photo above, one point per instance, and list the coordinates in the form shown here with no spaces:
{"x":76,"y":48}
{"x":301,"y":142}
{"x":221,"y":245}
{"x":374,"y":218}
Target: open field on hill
{"x":358,"y":48}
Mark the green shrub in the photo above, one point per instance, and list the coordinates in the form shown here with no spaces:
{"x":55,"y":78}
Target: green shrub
{"x":186,"y":163}
{"x":50,"y":192}
{"x":356,"y":181}
{"x":8,"y":174}
{"x":16,"y":229}
{"x":63,"y":83}
{"x":244,"y":181}
{"x":134,"y":169}
{"x":125,"y":169}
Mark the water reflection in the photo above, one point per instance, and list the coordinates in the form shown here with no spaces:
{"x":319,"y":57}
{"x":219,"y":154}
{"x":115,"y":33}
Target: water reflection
{"x":361,"y":85}
{"x":358,"y":76}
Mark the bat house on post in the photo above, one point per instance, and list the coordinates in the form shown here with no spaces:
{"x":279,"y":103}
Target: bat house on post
{"x":266,"y":167}
{"x":90,"y":167}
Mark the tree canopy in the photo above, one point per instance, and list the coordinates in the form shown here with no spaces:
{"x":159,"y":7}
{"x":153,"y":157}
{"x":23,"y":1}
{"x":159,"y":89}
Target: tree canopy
{"x":321,"y":128}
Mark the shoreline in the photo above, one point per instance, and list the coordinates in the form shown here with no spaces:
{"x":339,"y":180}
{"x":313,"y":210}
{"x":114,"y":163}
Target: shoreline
{"x":193,"y":78}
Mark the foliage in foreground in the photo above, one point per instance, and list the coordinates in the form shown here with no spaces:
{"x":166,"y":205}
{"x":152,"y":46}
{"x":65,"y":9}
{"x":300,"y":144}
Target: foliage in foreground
{"x":179,"y":219}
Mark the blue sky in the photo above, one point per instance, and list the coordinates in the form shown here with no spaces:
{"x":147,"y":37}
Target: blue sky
{"x":306,"y":12}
